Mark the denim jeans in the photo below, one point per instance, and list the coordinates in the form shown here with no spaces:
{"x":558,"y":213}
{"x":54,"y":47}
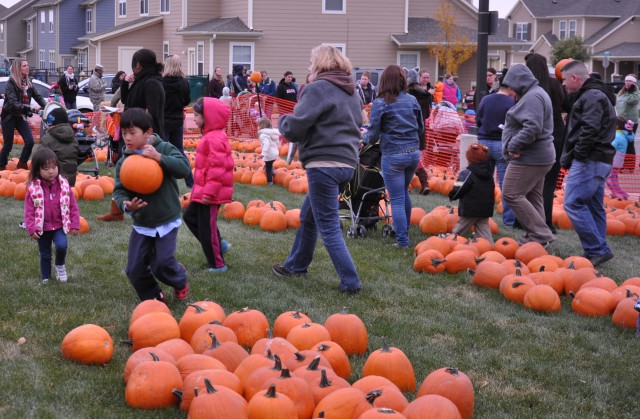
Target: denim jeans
{"x":584,"y":193}
{"x":498,"y":161}
{"x":9,"y":124}
{"x":319,"y":212}
{"x":397,"y":171}
{"x":59,"y":240}
{"x":71,"y":105}
{"x":175,"y":135}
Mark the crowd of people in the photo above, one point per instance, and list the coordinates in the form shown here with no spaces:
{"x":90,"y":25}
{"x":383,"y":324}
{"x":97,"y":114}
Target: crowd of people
{"x":530,"y":125}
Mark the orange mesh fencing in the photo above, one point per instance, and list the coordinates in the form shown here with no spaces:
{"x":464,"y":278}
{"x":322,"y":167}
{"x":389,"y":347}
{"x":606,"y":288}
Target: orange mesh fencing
{"x":442,"y":129}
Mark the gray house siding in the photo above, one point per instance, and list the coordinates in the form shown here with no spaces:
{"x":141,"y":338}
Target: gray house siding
{"x":15,"y":30}
{"x":104,"y":15}
{"x":46,"y":40}
{"x":71,"y":25}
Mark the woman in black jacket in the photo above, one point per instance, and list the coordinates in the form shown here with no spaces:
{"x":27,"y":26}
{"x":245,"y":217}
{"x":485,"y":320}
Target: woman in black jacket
{"x":143,"y":88}
{"x":15,"y":111}
{"x":177,"y":96}
{"x":116,"y":81}
{"x":69,"y":86}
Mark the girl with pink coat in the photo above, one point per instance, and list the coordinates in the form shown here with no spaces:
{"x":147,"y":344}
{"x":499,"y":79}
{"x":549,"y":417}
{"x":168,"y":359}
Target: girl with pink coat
{"x":213,"y":179}
{"x":50,"y":212}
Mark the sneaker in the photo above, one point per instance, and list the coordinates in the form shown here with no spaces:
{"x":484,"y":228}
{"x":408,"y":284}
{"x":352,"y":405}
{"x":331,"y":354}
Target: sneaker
{"x":182,"y":294}
{"x":223,"y":268}
{"x":281,"y":271}
{"x":61,"y":273}
{"x":351,"y":291}
{"x":22,"y":224}
{"x":45,"y":280}
{"x":224,"y":246}
{"x":598,"y":260}
{"x":160,"y":297}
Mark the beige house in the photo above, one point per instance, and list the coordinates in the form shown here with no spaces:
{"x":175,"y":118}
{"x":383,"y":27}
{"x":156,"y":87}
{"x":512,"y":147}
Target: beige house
{"x":278,"y":35}
{"x":609,"y":28}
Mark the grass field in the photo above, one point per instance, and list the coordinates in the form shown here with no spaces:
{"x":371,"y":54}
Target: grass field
{"x":522,"y":364}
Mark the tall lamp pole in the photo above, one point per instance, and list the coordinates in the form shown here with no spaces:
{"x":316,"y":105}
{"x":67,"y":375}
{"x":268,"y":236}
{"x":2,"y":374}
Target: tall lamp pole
{"x":487,"y":25}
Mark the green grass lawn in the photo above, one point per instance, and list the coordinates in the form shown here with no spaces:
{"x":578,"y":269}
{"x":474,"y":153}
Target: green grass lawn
{"x":522,"y":364}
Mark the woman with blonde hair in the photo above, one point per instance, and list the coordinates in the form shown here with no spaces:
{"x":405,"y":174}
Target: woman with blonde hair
{"x":216,"y":84}
{"x":177,"y":96}
{"x":16,"y":109}
{"x":326,"y":126}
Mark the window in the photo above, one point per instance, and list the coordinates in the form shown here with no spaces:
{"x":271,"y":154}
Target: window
{"x":572,"y":28}
{"x":164,"y":6}
{"x":241,"y":54}
{"x":52,"y":60}
{"x":522,"y":31}
{"x":89,"y":20}
{"x":200,"y":58}
{"x":334,"y":6}
{"x":41,"y":63}
{"x":29,"y":33}
{"x":1,"y":31}
{"x":562,"y":32}
{"x":340,"y":47}
{"x":122,"y":8}
{"x":409,"y":59}
{"x":50,"y":20}
{"x":144,"y":7}
{"x":43,"y":21}
{"x":82,"y":60}
{"x":165,"y":50}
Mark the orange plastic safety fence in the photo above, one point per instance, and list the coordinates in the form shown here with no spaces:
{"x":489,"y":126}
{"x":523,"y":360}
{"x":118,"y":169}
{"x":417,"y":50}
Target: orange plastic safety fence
{"x":442,"y":130}
{"x":247,"y":109}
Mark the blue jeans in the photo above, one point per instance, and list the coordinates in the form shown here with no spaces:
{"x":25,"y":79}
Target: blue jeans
{"x":71,"y":105}
{"x":397,"y":171}
{"x":59,"y":239}
{"x":9,"y":124}
{"x":319,"y":212}
{"x":175,"y":137}
{"x":584,"y":193}
{"x":498,"y":161}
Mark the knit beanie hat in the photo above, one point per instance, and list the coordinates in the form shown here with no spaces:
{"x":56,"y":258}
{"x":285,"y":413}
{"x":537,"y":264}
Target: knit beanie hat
{"x":57,"y":116}
{"x":477,"y":153}
{"x":412,"y":77}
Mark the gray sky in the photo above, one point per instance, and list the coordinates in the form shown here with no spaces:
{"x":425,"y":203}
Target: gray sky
{"x":502,"y":6}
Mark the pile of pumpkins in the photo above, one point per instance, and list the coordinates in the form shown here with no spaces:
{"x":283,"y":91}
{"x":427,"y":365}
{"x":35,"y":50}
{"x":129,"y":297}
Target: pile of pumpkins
{"x":529,"y":275}
{"x":215,"y":365}
{"x":270,"y":216}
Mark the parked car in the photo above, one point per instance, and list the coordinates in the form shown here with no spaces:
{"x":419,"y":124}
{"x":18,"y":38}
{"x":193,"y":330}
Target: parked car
{"x":375,"y":74}
{"x":83,"y":86}
{"x":83,"y":103}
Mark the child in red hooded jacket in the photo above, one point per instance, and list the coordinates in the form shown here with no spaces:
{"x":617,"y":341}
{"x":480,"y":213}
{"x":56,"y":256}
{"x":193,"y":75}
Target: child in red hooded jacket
{"x":213,"y":180}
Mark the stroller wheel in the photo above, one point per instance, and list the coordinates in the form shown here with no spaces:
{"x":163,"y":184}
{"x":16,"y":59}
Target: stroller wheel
{"x":351,"y":232}
{"x":362,"y":231}
{"x":387,"y":230}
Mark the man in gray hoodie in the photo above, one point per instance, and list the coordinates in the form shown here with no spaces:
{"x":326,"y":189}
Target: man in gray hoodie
{"x":527,"y":144}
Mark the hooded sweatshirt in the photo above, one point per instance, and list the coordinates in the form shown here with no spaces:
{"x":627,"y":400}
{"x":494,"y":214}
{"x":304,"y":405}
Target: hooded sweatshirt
{"x":213,"y":178}
{"x":528,"y":128}
{"x":326,"y":121}
{"x":287,"y":91}
{"x":476,"y":195}
{"x":591,"y":125}
{"x":177,"y":95}
{"x":239,"y":80}
{"x":269,"y":141}
{"x":146,"y":92}
{"x":62,"y":141}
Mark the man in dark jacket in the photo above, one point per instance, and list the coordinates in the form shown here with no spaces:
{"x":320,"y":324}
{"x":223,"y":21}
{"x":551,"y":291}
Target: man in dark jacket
{"x":240,"y":79}
{"x":589,"y":153}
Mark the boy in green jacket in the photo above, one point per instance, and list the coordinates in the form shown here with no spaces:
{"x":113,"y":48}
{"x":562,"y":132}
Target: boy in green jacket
{"x":156,"y":216}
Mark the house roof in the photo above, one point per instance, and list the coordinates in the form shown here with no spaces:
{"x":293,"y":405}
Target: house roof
{"x":591,"y":8}
{"x":631,"y":9}
{"x":623,"y":50}
{"x":16,"y":8}
{"x":122,"y":29}
{"x":220,"y":26}
{"x":424,"y":30}
{"x":550,"y":38}
{"x":46,"y":3}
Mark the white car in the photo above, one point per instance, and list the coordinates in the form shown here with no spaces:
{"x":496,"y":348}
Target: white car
{"x":83,"y":103}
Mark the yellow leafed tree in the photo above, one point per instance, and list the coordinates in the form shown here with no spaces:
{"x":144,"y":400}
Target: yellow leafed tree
{"x":451,"y":47}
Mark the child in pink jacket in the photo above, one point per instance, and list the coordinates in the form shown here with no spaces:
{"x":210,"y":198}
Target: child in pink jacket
{"x":50,"y":212}
{"x":213,"y":178}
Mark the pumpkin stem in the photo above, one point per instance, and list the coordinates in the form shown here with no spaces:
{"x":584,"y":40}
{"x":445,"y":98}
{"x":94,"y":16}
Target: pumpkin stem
{"x":571,"y":265}
{"x":344,"y":311}
{"x":517,"y":284}
{"x":322,"y":347}
{"x":285,"y":373}
{"x":271,"y":393}
{"x":518,"y":271}
{"x":154,"y":357}
{"x":518,"y":264}
{"x":210,"y":388}
{"x":478,"y":260}
{"x":629,"y":293}
{"x":214,"y":341}
{"x":198,"y":308}
{"x":451,"y":370}
{"x":470,"y":274}
{"x":300,"y":357}
{"x":269,"y":354}
{"x":542,"y":268}
{"x":296,"y":315}
{"x":195,"y":391}
{"x":385,"y":347}
{"x":572,"y":294}
{"x":306,"y":325}
{"x":269,"y":334}
{"x":373,"y":395}
{"x":127,"y":342}
{"x":313,"y":365}
{"x":178,"y":394}
{"x":324,"y":380}
{"x":277,"y":365}
{"x":215,"y":322}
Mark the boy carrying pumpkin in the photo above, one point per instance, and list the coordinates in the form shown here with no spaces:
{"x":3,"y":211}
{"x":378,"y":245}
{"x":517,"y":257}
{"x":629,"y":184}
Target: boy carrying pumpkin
{"x":156,"y":215}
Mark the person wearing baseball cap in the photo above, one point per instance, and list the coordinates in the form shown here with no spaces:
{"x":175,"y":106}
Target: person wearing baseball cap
{"x":97,"y":87}
{"x":61,"y":139}
{"x":627,"y":107}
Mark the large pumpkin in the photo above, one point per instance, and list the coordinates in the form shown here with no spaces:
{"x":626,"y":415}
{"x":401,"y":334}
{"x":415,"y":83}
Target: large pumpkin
{"x":140,"y":174}
{"x":152,"y":384}
{"x":391,"y":363}
{"x":88,"y":344}
{"x":348,"y":331}
{"x":452,"y":384}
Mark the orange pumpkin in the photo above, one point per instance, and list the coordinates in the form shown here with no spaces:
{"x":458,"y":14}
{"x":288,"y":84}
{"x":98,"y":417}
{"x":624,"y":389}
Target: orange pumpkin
{"x":88,"y":344}
{"x":452,"y":384}
{"x":152,"y":385}
{"x":542,"y":298}
{"x":391,"y":363}
{"x":348,"y":331}
{"x":560,"y":65}
{"x":140,"y":174}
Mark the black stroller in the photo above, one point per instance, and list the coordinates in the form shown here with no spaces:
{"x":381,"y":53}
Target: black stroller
{"x":364,"y":196}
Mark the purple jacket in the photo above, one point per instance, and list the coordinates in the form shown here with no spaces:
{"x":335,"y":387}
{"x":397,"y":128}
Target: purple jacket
{"x":52,"y":212}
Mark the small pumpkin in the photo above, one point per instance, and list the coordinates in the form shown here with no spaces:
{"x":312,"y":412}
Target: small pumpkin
{"x":88,"y":344}
{"x":141,"y":174}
